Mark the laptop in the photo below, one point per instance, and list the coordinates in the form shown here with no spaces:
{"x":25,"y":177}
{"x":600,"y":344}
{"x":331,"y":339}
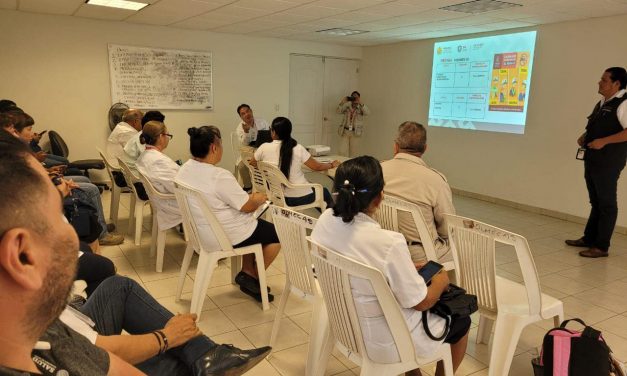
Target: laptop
{"x":263,"y":136}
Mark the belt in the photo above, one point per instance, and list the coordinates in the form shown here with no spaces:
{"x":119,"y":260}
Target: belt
{"x":348,"y":129}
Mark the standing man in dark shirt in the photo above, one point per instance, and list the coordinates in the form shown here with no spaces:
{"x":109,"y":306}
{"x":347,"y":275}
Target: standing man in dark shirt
{"x":604,"y":145}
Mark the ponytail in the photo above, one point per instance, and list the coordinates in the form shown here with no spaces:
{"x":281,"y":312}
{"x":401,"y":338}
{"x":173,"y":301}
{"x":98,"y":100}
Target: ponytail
{"x":358,"y":182}
{"x":282,"y":127}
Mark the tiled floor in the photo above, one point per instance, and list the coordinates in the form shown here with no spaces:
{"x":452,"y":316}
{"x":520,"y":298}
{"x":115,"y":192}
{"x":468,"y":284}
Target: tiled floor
{"x":591,"y":289}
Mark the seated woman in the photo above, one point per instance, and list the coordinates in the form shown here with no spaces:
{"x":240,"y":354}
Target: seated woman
{"x":160,"y":170}
{"x":231,"y":205}
{"x":350,"y":230}
{"x":285,"y":153}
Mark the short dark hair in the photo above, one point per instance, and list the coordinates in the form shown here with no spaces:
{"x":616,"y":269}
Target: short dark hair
{"x":16,"y":173}
{"x":618,"y":74}
{"x":358,"y":181}
{"x":21,"y":119}
{"x":201,"y":138}
{"x":6,"y":105}
{"x":152,"y":115}
{"x":412,"y":137}
{"x":243,"y":105}
{"x":355,"y":92}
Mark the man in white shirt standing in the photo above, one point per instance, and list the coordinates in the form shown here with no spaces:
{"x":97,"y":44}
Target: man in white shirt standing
{"x":246,"y":132}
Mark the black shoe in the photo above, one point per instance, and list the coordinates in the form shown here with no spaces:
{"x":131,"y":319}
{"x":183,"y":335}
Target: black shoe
{"x":255,"y":295}
{"x":228,"y":360}
{"x":251,"y":283}
{"x":577,"y":243}
{"x":248,"y":189}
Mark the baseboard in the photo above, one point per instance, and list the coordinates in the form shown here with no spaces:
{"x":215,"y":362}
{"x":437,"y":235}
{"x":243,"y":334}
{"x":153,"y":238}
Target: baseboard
{"x":530,"y":208}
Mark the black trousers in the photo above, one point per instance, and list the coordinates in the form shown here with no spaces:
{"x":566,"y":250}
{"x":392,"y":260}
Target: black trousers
{"x":601,"y":184}
{"x":93,"y":268}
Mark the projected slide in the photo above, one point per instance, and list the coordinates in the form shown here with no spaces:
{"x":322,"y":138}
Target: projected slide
{"x":482,"y":83}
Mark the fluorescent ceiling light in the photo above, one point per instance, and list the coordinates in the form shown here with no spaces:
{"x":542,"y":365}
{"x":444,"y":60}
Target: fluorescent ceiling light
{"x":480,"y":6}
{"x":341,"y":32}
{"x":122,"y":4}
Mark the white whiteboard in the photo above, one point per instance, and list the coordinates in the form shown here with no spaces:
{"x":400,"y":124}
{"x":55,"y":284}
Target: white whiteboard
{"x":154,"y":78}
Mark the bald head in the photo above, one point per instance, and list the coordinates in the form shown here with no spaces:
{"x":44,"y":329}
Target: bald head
{"x":133,"y":117}
{"x":411,"y":138}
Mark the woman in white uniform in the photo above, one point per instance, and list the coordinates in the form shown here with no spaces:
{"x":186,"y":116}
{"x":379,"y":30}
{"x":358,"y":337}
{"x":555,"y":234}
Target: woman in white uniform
{"x":160,"y":170}
{"x":350,"y":230}
{"x":289,"y":156}
{"x":231,"y":205}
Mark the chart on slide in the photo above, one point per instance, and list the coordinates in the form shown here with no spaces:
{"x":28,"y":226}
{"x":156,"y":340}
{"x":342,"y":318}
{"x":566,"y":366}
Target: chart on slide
{"x":482,"y":83}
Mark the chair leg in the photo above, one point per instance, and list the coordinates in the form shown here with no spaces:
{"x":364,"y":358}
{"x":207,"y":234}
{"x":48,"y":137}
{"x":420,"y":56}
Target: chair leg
{"x":506,"y":335}
{"x":261,"y":273}
{"x":160,"y":249}
{"x":279,"y":312}
{"x":328,"y":342}
{"x":187,"y":259}
{"x":319,"y":326}
{"x":139,"y":221}
{"x":484,"y":330}
{"x":115,"y":204}
{"x":154,"y":237}
{"x":236,"y":266}
{"x":207,"y":262}
{"x":131,"y":214}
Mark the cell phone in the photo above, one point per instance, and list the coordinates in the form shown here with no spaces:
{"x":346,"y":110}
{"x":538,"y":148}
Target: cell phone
{"x":429,"y":270}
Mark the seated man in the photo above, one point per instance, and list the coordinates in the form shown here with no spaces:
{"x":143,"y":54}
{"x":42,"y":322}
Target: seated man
{"x":38,"y":252}
{"x":124,"y":131}
{"x":247,"y":134}
{"x":408,"y":177}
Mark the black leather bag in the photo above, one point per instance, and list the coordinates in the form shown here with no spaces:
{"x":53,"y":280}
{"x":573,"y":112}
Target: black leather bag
{"x":83,"y":217}
{"x":454,"y":303}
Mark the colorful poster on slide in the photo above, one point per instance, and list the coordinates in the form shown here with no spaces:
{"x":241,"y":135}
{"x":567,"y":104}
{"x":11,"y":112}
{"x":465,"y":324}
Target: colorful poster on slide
{"x":482,"y":83}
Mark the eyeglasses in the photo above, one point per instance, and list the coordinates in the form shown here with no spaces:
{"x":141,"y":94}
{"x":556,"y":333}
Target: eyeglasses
{"x":169,"y":135}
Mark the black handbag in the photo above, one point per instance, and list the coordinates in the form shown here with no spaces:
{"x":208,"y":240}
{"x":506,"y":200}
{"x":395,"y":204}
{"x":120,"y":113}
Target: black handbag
{"x":453,"y":303}
{"x":83,"y":217}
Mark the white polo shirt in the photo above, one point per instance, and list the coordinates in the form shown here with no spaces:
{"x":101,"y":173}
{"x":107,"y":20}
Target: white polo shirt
{"x":269,"y":152}
{"x":161,"y":170}
{"x":365,"y":241}
{"x":245,"y":138}
{"x":132,"y":150}
{"x":225,"y":198}
{"x":118,"y":138}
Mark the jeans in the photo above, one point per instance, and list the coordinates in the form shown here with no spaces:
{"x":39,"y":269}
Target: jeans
{"x":308,"y":199}
{"x":90,"y":194}
{"x":119,"y":303}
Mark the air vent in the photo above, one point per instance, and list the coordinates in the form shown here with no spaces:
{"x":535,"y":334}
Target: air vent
{"x":341,"y":32}
{"x":480,"y":6}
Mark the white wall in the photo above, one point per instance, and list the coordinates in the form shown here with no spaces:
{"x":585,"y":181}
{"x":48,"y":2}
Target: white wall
{"x":56,"y":69}
{"x":537,"y":168}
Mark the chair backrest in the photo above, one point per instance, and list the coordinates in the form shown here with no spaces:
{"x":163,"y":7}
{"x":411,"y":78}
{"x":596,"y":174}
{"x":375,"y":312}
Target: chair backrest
{"x":151,"y":191}
{"x":130,"y":178}
{"x":187,"y":197}
{"x":256,"y":177}
{"x":473,"y":246}
{"x":275,"y":181}
{"x":387,"y":216}
{"x":108,"y":165}
{"x":292,"y":228}
{"x":235,"y":144}
{"x":57,"y":145}
{"x":334,"y":272}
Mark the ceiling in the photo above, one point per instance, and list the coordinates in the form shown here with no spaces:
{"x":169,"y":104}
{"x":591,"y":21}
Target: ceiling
{"x":386,"y":21}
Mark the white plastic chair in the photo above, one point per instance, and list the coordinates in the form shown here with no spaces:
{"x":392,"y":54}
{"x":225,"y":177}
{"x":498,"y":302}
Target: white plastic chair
{"x":510,"y":304}
{"x":115,"y":190}
{"x":387,"y":216}
{"x":292,"y":228}
{"x":208,"y":258}
{"x":136,"y":210}
{"x":157,"y":240}
{"x":334,"y":272}
{"x":256,"y":177}
{"x":276,"y":181}
{"x":235,"y":144}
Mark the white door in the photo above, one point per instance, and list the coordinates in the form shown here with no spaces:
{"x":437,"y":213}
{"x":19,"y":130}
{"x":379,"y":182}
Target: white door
{"x":317,"y":84}
{"x":306,"y":91}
